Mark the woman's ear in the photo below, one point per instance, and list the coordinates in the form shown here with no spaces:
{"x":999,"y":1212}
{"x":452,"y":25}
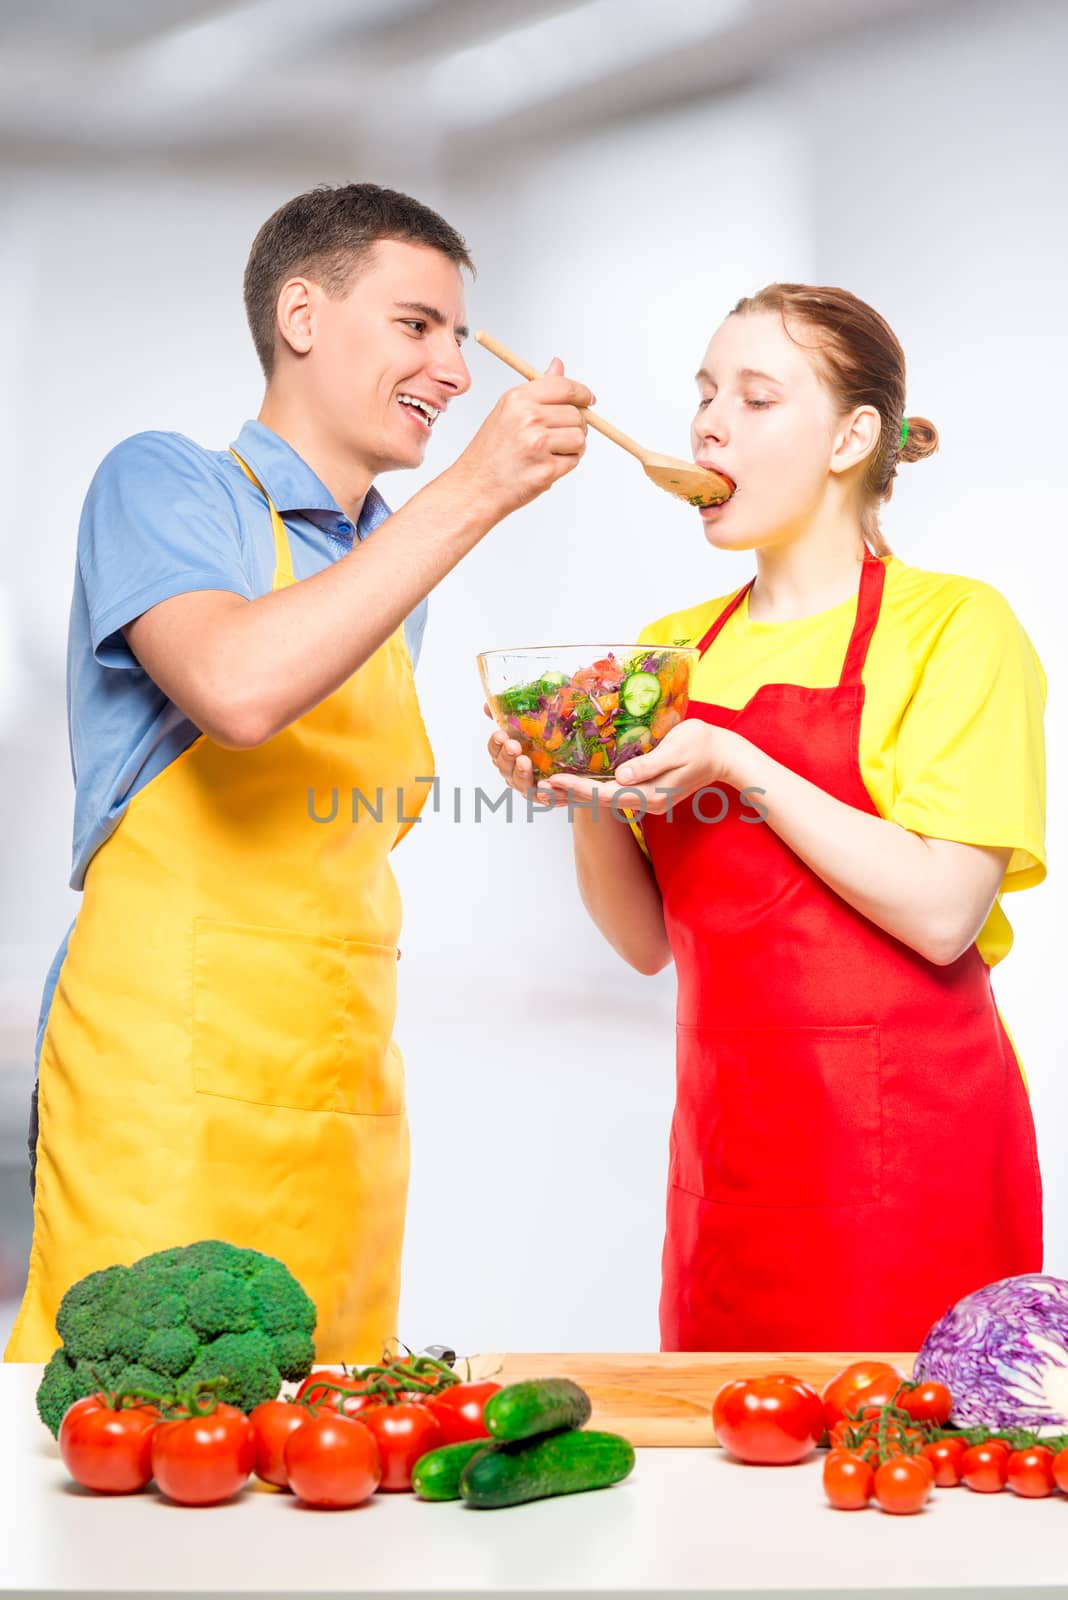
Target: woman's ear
{"x":856,"y":438}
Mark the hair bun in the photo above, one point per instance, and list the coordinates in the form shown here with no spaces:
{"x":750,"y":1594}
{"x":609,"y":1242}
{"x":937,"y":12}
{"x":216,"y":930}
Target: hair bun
{"x":921,"y":440}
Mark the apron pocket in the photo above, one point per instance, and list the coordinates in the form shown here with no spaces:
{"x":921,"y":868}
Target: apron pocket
{"x":294,"y":1020}
{"x":778,"y":1116}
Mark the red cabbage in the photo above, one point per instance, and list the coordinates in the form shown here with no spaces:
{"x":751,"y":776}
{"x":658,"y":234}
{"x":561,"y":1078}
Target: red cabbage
{"x":1003,"y":1354}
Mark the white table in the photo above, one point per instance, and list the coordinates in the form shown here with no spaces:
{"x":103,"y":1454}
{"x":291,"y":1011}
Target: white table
{"x":687,"y":1522}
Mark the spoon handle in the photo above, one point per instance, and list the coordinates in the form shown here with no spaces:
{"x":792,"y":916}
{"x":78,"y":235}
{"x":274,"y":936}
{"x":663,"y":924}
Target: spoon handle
{"x":525,"y":370}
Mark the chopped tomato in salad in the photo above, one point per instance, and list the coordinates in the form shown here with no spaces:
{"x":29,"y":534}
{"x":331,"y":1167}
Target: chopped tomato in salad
{"x":602,"y":715}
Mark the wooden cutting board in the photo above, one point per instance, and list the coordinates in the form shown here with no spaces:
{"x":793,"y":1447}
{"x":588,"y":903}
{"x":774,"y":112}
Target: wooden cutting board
{"x":662,"y":1399}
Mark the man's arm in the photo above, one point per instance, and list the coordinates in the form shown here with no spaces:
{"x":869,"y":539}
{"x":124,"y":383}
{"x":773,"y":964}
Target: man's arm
{"x":242,"y":670}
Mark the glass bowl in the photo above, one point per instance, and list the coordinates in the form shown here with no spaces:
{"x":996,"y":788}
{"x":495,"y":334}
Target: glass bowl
{"x":586,"y":708}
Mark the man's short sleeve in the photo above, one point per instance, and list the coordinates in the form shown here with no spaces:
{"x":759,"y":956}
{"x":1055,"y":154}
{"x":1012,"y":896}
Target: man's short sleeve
{"x":158,"y":521}
{"x":970,"y":758}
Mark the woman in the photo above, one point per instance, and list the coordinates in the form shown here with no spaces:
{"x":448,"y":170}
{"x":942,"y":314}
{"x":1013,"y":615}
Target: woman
{"x":852,"y":1147}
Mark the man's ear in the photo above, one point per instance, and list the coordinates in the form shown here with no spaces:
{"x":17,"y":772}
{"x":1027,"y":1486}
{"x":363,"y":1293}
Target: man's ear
{"x":295,"y":311}
{"x":856,"y":438}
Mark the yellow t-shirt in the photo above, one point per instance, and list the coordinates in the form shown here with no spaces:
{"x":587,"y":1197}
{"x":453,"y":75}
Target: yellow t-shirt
{"x":951,"y":738}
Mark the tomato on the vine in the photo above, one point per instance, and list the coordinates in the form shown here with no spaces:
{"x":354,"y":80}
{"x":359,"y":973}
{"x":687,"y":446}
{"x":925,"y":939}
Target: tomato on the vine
{"x":945,"y":1456}
{"x":332,"y":1461}
{"x":202,"y":1459}
{"x":929,"y":1402}
{"x":330,"y":1390}
{"x":902,"y":1485}
{"x":773,"y":1421}
{"x":459,"y":1410}
{"x":1060,"y":1470}
{"x":1030,"y":1472}
{"x":108,"y":1449}
{"x":984,"y":1467}
{"x":272,"y":1423}
{"x":403,"y":1433}
{"x":837,"y":1395}
{"x":847,"y":1480}
{"x":882,"y":1391}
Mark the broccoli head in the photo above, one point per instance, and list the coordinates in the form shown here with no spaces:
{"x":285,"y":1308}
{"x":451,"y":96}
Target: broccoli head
{"x":205,"y":1310}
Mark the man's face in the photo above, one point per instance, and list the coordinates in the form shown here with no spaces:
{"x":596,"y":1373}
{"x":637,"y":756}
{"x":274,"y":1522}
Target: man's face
{"x":391,"y":342}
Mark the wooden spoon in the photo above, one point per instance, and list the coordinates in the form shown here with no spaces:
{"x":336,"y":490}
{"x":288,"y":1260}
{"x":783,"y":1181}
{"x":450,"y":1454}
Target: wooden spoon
{"x":695,"y":484}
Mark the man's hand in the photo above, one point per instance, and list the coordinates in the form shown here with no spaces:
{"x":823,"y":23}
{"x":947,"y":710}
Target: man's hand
{"x":534,"y":435}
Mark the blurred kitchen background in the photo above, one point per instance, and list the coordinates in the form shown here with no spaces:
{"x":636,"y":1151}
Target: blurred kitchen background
{"x":622,"y":171}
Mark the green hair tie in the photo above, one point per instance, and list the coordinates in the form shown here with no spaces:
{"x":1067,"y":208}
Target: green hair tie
{"x":904,"y":432}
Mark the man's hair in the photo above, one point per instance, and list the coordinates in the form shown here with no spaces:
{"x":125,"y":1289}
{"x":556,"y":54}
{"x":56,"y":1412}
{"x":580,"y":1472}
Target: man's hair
{"x":328,"y":234}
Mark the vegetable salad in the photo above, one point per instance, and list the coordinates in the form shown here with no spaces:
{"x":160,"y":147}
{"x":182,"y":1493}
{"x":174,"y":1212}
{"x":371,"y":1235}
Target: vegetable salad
{"x":602,"y":715}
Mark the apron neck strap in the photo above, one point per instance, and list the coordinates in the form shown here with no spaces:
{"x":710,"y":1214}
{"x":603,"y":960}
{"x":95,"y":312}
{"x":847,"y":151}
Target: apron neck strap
{"x":869,"y":601}
{"x":283,"y":560}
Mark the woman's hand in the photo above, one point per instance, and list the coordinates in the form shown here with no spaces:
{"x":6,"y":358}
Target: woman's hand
{"x":507,"y":756}
{"x":694,"y":755}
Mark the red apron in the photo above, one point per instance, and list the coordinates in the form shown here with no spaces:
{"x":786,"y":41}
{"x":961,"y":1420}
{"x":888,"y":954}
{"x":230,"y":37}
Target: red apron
{"x":852,"y":1147}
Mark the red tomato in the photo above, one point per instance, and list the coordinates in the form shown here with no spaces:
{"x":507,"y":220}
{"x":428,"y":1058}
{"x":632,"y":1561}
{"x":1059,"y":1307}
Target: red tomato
{"x":847,"y":1480}
{"x":1030,"y":1472}
{"x":272,"y":1423}
{"x":201,"y":1460}
{"x":459,"y":1411}
{"x":1060,"y":1470}
{"x":321,"y":1389}
{"x":983,"y":1467}
{"x":931,"y":1402}
{"x":838,"y":1394}
{"x":945,"y":1456}
{"x":403,"y":1433}
{"x":332,"y":1461}
{"x":105,"y":1449}
{"x":773,"y":1421}
{"x":883,"y":1391}
{"x":902,"y":1486}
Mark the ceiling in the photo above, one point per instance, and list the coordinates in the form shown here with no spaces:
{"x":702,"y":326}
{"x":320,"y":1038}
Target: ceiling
{"x":193,"y":80}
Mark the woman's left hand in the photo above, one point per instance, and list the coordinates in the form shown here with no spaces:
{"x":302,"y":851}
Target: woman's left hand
{"x":695,"y":755}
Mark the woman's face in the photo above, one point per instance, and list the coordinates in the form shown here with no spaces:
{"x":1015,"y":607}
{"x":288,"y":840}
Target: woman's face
{"x":765,"y":418}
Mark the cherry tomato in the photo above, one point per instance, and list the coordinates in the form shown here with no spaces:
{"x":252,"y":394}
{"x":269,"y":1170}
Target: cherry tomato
{"x":201,"y":1460}
{"x":902,"y":1486}
{"x":773,"y":1421}
{"x":272,"y":1423}
{"x":838,"y":1393}
{"x":1030,"y":1472}
{"x":108,"y":1450}
{"x":403,"y":1433}
{"x":983,"y":1467}
{"x":459,"y":1411}
{"x":320,"y":1389}
{"x":332,"y":1461}
{"x":945,"y":1456}
{"x":1060,"y":1470}
{"x":847,"y":1480}
{"x":931,"y":1402}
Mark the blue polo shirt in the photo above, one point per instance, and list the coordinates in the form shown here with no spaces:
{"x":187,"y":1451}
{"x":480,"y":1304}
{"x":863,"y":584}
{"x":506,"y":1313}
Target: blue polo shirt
{"x":163,"y":517}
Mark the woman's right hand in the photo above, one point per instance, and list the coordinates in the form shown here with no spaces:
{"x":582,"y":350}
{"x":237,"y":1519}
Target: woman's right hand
{"x":507,"y":756}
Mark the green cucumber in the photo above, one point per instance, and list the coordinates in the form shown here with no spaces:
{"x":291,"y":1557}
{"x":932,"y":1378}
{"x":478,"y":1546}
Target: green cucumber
{"x":640,"y":694}
{"x":552,"y":680}
{"x":567,"y":1462}
{"x":538,"y":1405}
{"x":436,"y":1476}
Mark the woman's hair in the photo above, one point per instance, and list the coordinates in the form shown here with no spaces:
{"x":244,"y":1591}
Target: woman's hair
{"x":864,"y":365}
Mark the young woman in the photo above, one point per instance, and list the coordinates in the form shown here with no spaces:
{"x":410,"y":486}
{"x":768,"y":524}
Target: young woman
{"x":852,"y":1146}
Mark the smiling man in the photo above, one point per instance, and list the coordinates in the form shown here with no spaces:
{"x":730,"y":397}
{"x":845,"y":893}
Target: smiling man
{"x":215,"y":1056}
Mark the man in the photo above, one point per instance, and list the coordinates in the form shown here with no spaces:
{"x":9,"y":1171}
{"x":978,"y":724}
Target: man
{"x":215,"y":1054}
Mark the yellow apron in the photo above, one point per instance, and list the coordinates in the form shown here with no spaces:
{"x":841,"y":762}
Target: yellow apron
{"x":218,"y":1060}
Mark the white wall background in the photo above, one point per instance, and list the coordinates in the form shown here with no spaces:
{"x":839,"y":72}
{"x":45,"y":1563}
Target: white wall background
{"x":921,"y":165}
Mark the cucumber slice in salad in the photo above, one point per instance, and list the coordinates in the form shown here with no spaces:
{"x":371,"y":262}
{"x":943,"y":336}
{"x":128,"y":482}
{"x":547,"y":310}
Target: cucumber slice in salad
{"x":640,"y":694}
